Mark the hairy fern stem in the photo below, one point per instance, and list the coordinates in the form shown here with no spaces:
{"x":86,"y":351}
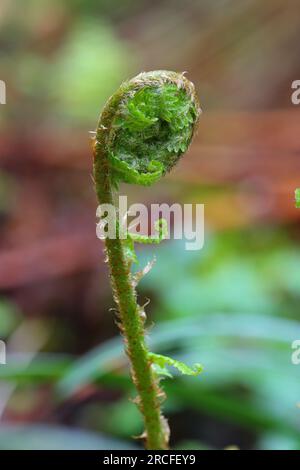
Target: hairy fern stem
{"x":132,"y":324}
{"x":142,"y":131}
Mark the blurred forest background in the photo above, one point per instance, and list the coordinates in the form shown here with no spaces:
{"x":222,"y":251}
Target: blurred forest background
{"x":234,"y":306}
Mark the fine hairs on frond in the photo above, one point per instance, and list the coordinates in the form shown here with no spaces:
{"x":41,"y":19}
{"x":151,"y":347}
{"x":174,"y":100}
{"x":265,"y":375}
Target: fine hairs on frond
{"x":143,"y":130}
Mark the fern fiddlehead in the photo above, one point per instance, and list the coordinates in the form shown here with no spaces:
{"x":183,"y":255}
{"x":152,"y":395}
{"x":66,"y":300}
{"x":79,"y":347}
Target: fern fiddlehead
{"x":142,"y":131}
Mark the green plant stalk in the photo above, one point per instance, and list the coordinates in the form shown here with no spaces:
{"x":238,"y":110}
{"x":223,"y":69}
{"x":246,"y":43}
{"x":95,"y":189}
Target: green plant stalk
{"x":108,"y":170}
{"x":131,"y":324}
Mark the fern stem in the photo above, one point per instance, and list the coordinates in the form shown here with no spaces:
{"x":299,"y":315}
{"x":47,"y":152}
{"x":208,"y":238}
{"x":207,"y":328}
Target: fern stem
{"x":131,"y":323}
{"x":143,"y":130}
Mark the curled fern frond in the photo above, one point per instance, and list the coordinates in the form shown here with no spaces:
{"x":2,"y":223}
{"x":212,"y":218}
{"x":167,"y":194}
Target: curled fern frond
{"x":147,"y":125}
{"x":143,"y":130}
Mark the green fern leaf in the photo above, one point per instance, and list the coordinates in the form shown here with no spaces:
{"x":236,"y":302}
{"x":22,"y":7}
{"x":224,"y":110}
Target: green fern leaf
{"x":163,"y":361}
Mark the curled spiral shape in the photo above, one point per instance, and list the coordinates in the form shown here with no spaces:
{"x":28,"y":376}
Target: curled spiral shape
{"x":147,"y":125}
